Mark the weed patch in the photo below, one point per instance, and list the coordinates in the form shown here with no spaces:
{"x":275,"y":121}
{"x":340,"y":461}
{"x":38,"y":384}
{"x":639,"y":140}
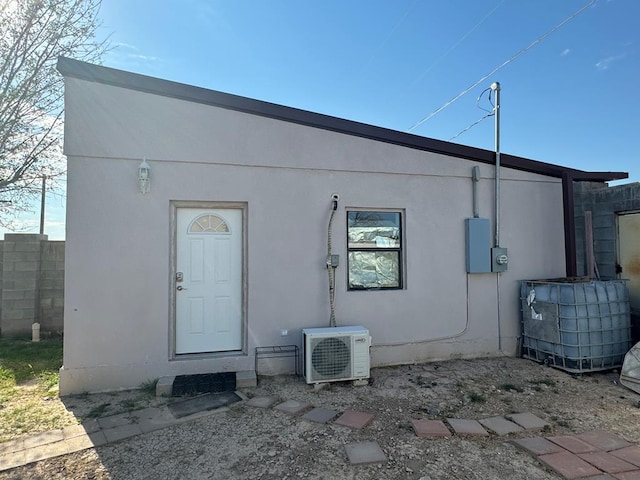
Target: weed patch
{"x":544,"y":381}
{"x":475,"y":397}
{"x":149,"y":387}
{"x":510,"y":387}
{"x":98,"y":411}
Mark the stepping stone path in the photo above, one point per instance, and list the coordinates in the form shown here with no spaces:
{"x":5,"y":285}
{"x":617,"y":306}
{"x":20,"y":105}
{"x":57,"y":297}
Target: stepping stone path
{"x":467,"y":427}
{"x":528,"y":421}
{"x":320,"y":415}
{"x":364,"y":453}
{"x":261,"y":402}
{"x":501,"y":426}
{"x":596,"y":455}
{"x":430,"y":428}
{"x":357,"y":420}
{"x":293,"y":407}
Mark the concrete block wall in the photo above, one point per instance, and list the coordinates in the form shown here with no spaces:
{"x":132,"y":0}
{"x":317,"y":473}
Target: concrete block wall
{"x":32,"y":284}
{"x":604,"y":203}
{"x":51,"y":295}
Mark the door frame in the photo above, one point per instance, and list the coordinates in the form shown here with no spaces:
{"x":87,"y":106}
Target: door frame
{"x":174,"y":206}
{"x":619,"y":214}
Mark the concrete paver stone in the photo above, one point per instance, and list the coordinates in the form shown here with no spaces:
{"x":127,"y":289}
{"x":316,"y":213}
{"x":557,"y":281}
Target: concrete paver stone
{"x":148,"y":413}
{"x":607,"y":462}
{"x":123,"y":431}
{"x":467,"y":427}
{"x":261,"y":402}
{"x":603,"y":440}
{"x":91,"y":426}
{"x":634,"y":475}
{"x":572,"y":443}
{"x":320,"y":415}
{"x":12,"y":446}
{"x":73,"y":431}
{"x":365,"y":452}
{"x":293,"y":407}
{"x":353,"y":419}
{"x":43,"y":452}
{"x":12,"y":460}
{"x":603,"y":476}
{"x":500,"y":425}
{"x":43,"y":438}
{"x":114,"y":420}
{"x":97,"y":438}
{"x":150,"y":419}
{"x":628,"y":454}
{"x":430,"y":428}
{"x":569,"y":465}
{"x":527,"y":420}
{"x":77,"y":444}
{"x":537,"y":446}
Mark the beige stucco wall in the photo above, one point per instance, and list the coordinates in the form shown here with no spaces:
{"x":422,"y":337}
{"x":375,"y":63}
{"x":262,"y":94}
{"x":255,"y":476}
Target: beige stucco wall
{"x":118,"y":277}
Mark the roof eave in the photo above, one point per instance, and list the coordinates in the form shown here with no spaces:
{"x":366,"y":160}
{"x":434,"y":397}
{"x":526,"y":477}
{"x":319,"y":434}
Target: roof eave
{"x":96,"y":73}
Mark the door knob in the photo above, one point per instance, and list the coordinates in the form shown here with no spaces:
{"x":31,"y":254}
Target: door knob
{"x":180,"y":288}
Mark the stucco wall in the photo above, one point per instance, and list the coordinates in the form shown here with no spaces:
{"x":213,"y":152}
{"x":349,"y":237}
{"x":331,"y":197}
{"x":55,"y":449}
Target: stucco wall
{"x":119,"y":242}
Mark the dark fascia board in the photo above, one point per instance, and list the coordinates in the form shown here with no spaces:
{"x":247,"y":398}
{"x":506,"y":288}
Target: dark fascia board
{"x":133,"y":81}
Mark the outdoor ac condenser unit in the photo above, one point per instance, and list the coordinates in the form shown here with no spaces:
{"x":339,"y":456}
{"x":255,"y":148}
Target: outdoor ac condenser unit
{"x":335,"y":354}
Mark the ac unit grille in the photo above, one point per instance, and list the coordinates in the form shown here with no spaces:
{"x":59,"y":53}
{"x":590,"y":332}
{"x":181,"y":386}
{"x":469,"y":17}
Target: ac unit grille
{"x":330,"y":357}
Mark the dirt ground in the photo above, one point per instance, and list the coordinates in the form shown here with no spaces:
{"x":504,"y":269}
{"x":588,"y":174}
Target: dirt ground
{"x":251,"y":443}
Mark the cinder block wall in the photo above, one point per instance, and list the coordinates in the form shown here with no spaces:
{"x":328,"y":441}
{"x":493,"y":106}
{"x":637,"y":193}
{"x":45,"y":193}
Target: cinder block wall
{"x":51,"y":298}
{"x":604,"y":203}
{"x":32,"y":284}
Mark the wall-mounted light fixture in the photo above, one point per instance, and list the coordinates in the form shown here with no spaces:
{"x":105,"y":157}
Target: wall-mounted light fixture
{"x":144,"y":177}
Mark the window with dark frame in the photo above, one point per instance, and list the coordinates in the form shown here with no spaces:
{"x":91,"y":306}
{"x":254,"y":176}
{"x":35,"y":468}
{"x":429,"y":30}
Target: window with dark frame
{"x":374,"y":250}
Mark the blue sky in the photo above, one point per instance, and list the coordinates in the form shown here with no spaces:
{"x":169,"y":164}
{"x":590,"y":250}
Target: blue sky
{"x":571,"y":98}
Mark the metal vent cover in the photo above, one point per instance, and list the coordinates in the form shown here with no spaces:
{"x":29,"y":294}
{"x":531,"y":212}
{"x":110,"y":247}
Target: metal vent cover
{"x":330,"y":357}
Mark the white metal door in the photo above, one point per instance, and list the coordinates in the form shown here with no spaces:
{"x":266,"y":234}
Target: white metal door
{"x":629,"y":255}
{"x":208,"y":280}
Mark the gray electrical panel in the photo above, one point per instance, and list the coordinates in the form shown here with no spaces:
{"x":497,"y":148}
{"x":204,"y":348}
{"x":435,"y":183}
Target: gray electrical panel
{"x":478,"y":245}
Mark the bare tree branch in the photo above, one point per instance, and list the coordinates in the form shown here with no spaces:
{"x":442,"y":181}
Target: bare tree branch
{"x":33,"y":34}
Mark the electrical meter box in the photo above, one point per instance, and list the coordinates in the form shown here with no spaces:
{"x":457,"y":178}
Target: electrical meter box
{"x":499,"y":259}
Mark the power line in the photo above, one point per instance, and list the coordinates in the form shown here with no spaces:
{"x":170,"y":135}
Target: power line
{"x":511,"y":59}
{"x":490,"y":113}
{"x":471,"y":126}
{"x":390,"y":33}
{"x":462,"y":39}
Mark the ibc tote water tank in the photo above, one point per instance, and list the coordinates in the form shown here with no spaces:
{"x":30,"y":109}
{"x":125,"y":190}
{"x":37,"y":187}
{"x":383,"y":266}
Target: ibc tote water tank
{"x":577,"y":325}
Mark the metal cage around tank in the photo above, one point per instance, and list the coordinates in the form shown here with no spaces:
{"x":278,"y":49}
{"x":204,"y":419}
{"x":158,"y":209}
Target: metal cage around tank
{"x":577,"y":325}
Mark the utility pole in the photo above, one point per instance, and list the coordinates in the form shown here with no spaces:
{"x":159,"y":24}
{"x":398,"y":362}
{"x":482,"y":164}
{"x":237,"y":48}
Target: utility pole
{"x":495,"y":86}
{"x":42,"y":203}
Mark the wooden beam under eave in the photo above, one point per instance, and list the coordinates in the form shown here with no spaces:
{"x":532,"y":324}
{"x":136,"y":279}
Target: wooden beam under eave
{"x":569,"y":225}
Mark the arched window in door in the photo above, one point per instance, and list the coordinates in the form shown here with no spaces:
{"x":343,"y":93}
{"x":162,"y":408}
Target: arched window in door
{"x":209,"y":223}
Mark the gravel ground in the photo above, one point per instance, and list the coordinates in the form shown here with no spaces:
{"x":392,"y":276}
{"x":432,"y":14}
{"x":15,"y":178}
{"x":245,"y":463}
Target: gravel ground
{"x":242,"y":442}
